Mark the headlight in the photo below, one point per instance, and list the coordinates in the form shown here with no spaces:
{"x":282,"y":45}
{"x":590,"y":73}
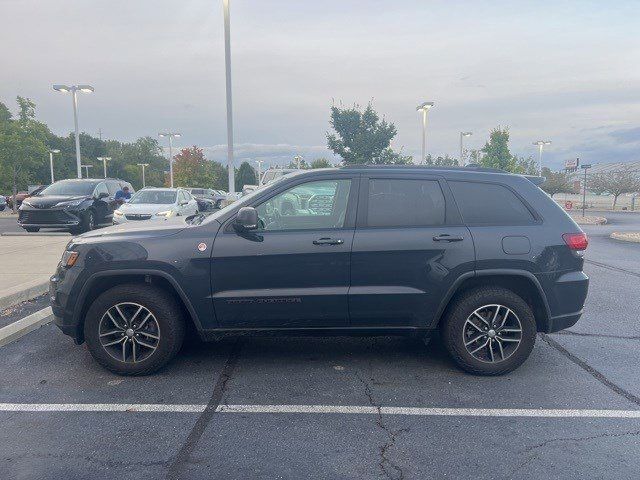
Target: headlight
{"x":69,"y":258}
{"x":118,"y":213}
{"x":166,"y":213}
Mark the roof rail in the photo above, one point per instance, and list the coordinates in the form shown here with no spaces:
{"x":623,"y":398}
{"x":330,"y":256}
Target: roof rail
{"x":472,"y":166}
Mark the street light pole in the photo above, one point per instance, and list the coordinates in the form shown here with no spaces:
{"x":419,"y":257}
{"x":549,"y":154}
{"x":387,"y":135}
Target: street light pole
{"x":259,"y":162}
{"x":143,"y":165}
{"x":227,"y":65}
{"x":540,"y":144}
{"x":424,"y":108}
{"x":462,"y":135}
{"x":86,"y":167}
{"x":104,"y":161}
{"x":171,"y":136}
{"x":73,"y":90}
{"x":51,"y":152}
{"x":585,"y":167}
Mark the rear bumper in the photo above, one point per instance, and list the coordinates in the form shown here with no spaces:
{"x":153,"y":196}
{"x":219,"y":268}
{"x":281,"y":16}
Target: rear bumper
{"x":566,"y":299}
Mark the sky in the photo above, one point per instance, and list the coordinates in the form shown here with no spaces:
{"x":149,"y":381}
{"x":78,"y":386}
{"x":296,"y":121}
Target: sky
{"x":565,"y":71}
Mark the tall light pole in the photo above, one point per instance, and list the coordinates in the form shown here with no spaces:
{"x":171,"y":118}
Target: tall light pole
{"x":462,"y":135}
{"x":143,"y":165}
{"x":51,"y":152}
{"x":73,"y":90}
{"x":171,"y":136}
{"x":540,"y":144}
{"x":424,"y":108}
{"x":86,"y":167}
{"x":259,"y":162}
{"x":227,"y":66}
{"x":104,"y":161}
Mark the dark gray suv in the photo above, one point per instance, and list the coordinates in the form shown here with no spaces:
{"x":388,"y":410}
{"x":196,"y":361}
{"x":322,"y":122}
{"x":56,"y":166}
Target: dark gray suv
{"x":483,"y":256}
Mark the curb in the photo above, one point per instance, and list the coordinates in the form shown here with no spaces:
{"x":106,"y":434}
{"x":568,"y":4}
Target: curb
{"x":25,"y":325}
{"x":632,"y":237}
{"x":19,"y":294}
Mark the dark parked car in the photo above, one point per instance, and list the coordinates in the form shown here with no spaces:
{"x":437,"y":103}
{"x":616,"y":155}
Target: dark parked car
{"x":76,"y":205}
{"x":485,"y":257}
{"x":3,"y":203}
{"x":207,"y":198}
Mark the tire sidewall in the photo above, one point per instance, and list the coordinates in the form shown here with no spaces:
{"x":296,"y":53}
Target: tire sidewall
{"x":166,"y":313}
{"x":465,"y":306}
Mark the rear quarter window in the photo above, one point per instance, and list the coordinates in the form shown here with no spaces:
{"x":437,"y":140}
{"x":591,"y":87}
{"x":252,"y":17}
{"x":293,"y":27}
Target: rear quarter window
{"x":490,"y":204}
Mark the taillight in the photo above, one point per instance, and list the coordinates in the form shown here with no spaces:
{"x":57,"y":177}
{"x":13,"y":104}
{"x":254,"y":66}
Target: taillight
{"x":576,"y":241}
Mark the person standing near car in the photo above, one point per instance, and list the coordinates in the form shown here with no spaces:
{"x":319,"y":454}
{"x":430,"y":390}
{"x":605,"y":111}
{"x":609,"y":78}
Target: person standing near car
{"x":123,"y":195}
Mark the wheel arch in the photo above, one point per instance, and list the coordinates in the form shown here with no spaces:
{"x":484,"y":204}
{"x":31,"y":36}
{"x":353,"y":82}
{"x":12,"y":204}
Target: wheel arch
{"x":102,"y":281}
{"x":520,"y":282}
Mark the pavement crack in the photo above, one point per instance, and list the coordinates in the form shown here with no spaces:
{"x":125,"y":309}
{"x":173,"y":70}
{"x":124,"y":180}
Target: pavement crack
{"x":590,"y":370}
{"x":390,"y":469}
{"x":580,"y":439}
{"x":598,"y":335}
{"x":178,"y":465}
{"x":611,"y":267}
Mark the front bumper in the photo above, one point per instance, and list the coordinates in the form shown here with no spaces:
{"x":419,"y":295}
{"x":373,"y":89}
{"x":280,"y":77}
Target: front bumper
{"x":47,"y":218}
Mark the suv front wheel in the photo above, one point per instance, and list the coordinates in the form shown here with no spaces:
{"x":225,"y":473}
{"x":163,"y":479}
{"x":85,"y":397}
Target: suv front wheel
{"x":489,"y":331}
{"x":134,"y":329}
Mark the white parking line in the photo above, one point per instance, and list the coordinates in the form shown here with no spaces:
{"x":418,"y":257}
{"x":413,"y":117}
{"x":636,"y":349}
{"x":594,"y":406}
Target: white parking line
{"x":320,"y":409}
{"x":19,"y":328}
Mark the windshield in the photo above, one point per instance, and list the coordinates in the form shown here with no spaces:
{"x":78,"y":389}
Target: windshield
{"x":69,"y":188}
{"x":154,"y":197}
{"x":197,"y":191}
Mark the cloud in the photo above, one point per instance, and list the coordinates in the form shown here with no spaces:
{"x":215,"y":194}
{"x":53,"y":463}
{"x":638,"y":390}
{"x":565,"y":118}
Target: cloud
{"x":630,"y":135}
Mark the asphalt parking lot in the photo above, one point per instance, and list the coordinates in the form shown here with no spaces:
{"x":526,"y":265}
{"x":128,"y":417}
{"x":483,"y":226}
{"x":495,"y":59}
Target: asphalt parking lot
{"x":330,"y":407}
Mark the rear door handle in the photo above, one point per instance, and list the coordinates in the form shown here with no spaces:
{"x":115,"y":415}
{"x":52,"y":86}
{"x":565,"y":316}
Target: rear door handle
{"x":448,"y":238}
{"x":328,"y":241}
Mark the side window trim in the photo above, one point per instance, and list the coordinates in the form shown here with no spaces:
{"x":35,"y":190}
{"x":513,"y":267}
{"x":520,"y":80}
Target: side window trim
{"x":452,"y":216}
{"x":537,"y":218}
{"x":352,"y":203}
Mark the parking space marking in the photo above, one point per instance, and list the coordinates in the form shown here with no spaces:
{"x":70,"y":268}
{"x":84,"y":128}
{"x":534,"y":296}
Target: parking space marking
{"x":320,"y":409}
{"x":25,"y":325}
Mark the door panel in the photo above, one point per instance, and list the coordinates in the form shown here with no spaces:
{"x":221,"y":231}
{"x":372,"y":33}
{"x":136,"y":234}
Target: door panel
{"x":400,"y":275}
{"x":408,"y":250}
{"x":293,"y":271}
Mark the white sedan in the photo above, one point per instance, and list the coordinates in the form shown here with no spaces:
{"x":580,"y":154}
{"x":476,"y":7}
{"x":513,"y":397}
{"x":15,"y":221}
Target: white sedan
{"x":156,"y":204}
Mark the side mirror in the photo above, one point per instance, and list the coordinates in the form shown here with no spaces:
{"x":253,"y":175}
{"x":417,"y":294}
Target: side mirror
{"x":247,"y":219}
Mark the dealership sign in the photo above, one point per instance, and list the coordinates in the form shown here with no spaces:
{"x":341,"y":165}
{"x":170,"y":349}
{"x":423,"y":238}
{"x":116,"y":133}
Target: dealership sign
{"x":571,"y":165}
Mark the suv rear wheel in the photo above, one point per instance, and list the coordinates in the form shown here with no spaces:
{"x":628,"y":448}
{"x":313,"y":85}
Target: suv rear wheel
{"x":489,"y":331}
{"x":134,"y":329}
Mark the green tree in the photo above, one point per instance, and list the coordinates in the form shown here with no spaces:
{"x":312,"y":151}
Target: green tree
{"x":190,"y":169}
{"x":321,"y":163}
{"x":440,"y":161}
{"x":303,"y":164}
{"x":497,"y":155}
{"x":22,"y":146}
{"x":361,"y":137}
{"x":556,"y":182}
{"x":245,"y":175}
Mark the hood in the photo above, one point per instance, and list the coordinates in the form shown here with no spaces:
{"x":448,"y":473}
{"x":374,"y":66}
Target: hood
{"x":49,"y":201}
{"x":134,"y":230}
{"x":145,"y":208}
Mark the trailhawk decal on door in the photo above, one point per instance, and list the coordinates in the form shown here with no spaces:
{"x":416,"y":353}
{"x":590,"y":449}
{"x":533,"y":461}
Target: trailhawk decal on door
{"x":265,"y":300}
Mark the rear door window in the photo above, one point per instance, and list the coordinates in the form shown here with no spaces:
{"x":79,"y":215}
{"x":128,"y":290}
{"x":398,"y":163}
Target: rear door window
{"x":490,"y":204}
{"x":405,"y":203}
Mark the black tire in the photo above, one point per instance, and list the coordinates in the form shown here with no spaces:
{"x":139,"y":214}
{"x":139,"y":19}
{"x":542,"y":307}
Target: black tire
{"x":87,"y":223}
{"x":32,"y":229}
{"x":167,"y":313}
{"x":453,"y":330}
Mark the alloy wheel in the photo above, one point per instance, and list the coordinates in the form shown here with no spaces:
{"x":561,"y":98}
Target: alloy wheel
{"x":492,"y":333}
{"x":129,"y":332}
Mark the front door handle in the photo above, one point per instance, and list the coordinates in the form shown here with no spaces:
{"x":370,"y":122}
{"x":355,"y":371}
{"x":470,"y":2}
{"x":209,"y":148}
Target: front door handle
{"x":448,"y":238}
{"x":328,"y":241}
